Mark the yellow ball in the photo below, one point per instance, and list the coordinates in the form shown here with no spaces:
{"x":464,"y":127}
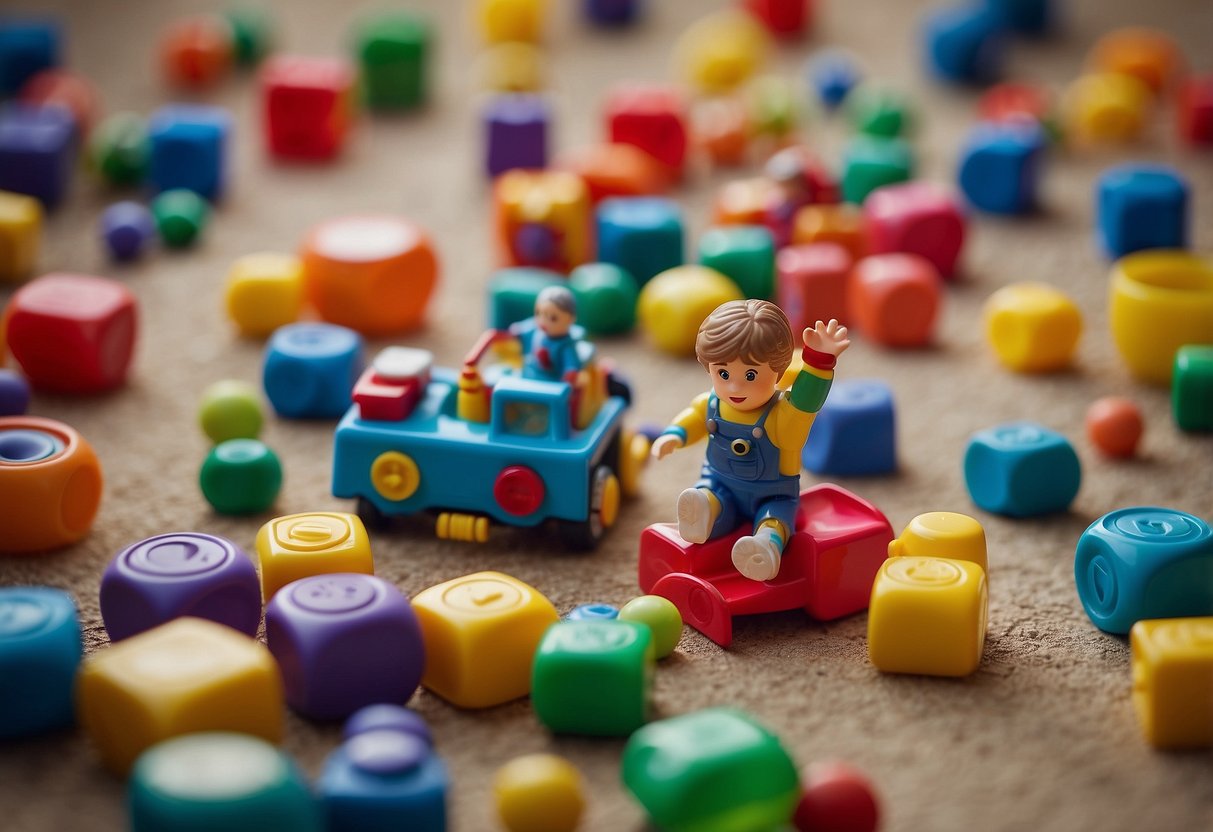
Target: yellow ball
{"x":1105,"y":108}
{"x":539,"y":793}
{"x":1032,"y":327}
{"x":507,"y":20}
{"x":264,"y":291}
{"x":720,"y":52}
{"x":674,"y":303}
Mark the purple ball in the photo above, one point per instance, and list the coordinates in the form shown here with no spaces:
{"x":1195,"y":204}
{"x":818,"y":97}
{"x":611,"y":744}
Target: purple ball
{"x":173,"y":575}
{"x":126,"y":228}
{"x":344,"y":641}
{"x":387,"y":718}
{"x":14,"y":394}
{"x":386,"y":752}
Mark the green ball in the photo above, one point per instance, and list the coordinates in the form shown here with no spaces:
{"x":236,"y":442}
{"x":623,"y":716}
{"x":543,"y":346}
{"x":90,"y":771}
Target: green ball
{"x":661,"y":616}
{"x":118,"y":149}
{"x":252,"y":34}
{"x":880,"y":111}
{"x":180,"y":216}
{"x":606,"y":298}
{"x":241,"y":476}
{"x":230,"y":410}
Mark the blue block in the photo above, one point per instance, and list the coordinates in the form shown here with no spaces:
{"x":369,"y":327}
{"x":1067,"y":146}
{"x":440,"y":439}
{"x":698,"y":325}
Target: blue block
{"x":611,"y":12}
{"x":643,"y":235}
{"x":1026,"y":17}
{"x":516,"y":133}
{"x":593,"y":612}
{"x":1000,"y":167}
{"x":1137,"y":563}
{"x":833,"y":74}
{"x":37,"y":152}
{"x":26,"y":48}
{"x":964,"y":45}
{"x":310,"y":370}
{"x":40,"y":649}
{"x":1021,"y":469}
{"x":384,"y":781}
{"x":126,"y":229}
{"x":188,"y":149}
{"x":1141,"y":206}
{"x":855,"y":433}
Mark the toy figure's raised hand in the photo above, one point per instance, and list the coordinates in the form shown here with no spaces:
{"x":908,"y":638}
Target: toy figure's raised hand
{"x":828,"y":338}
{"x":665,"y":445}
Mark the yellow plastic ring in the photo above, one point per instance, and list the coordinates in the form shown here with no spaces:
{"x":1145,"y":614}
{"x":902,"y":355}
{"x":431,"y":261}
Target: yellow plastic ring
{"x":395,"y":475}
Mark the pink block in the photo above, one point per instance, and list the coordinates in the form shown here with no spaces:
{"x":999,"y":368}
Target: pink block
{"x":917,"y":218}
{"x":812,"y":283}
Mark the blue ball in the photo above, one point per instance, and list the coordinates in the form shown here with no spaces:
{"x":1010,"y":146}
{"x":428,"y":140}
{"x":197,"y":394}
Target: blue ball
{"x":1021,"y":469}
{"x":310,"y":370}
{"x":854,"y":433}
{"x":833,"y":74}
{"x":964,"y":45}
{"x":383,"y":781}
{"x":126,"y":229}
{"x":14,"y":394}
{"x":1000,"y":167}
{"x":642,"y":235}
{"x":40,"y":649}
{"x":593,"y":612}
{"x":1141,"y":206}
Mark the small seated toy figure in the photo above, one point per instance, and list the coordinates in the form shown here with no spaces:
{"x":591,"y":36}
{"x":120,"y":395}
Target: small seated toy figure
{"x":755,"y":431}
{"x":549,"y":342}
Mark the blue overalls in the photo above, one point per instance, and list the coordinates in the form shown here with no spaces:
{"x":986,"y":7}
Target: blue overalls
{"x":546,"y":358}
{"x":742,"y":470}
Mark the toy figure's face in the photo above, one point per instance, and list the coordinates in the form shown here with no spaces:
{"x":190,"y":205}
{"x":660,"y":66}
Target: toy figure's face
{"x":744,"y":386}
{"x":553,"y":320}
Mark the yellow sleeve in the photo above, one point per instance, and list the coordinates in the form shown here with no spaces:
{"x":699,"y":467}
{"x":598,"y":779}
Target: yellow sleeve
{"x":692,"y":423}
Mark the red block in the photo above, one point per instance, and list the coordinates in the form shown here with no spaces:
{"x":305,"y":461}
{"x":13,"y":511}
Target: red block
{"x":384,"y":400}
{"x":893,"y":299}
{"x":72,"y":333}
{"x":785,"y":18}
{"x":828,"y":566}
{"x":918,"y":218}
{"x":69,"y":90}
{"x":1195,"y":111}
{"x":307,"y":106}
{"x":812,"y":283}
{"x":653,"y":118}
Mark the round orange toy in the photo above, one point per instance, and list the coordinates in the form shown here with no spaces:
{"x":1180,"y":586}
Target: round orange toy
{"x":1114,"y":426}
{"x":196,"y":52}
{"x":374,"y":273}
{"x":50,"y":484}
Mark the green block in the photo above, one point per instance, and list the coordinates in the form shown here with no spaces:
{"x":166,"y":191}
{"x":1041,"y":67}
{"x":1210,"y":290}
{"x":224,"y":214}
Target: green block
{"x":252,"y":34}
{"x":606,"y":298}
{"x":180,"y":216}
{"x":716,"y":770}
{"x":880,"y":111}
{"x":241,"y":476}
{"x":392,"y":49}
{"x":744,"y":253}
{"x":1192,"y":387}
{"x":118,"y":149}
{"x":218,"y":780}
{"x":869,"y":162}
{"x":512,"y":294}
{"x":593,"y":677}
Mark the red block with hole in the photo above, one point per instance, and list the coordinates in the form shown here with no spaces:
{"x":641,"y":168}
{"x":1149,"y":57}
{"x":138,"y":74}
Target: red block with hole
{"x":812,"y":283}
{"x":893,"y":299}
{"x":919,"y":218}
{"x":307,"y":106}
{"x":652,"y":118}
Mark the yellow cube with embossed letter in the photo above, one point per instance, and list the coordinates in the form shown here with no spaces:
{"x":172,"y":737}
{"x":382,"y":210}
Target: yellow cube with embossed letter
{"x":942,"y":534}
{"x":928,"y":616}
{"x":313,"y":543}
{"x":481,"y":632}
{"x":263,"y":292}
{"x":1032,"y":327}
{"x":1173,"y":681}
{"x":185,"y":676}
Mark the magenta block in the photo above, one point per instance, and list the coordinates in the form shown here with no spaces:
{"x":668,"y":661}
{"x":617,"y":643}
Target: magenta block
{"x":173,"y":575}
{"x":919,"y":218}
{"x":342,"y":642}
{"x":812,"y":283}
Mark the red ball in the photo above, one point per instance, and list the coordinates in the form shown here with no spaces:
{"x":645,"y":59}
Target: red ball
{"x":837,"y":798}
{"x":1114,"y":426}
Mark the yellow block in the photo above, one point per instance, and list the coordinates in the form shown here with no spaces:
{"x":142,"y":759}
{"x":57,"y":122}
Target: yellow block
{"x":1173,"y":681}
{"x":512,"y":67}
{"x":942,"y":534}
{"x":539,"y":792}
{"x":674,"y":303}
{"x":314,"y":543}
{"x":1105,"y":108}
{"x":20,"y":235}
{"x":555,"y":198}
{"x":720,"y":52}
{"x":184,"y":676}
{"x":507,"y":20}
{"x":928,"y":616}
{"x":263,"y":292}
{"x":1032,"y":327}
{"x":481,"y":632}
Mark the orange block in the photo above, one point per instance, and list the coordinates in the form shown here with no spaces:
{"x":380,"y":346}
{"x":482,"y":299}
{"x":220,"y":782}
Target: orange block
{"x":745,"y":201}
{"x":894,"y":299}
{"x":1149,"y":55}
{"x":842,"y":224}
{"x":616,"y":170}
{"x":722,"y":129}
{"x":196,"y":52}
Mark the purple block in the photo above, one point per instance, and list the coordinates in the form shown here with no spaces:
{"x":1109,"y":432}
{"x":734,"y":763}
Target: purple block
{"x":37,"y":151}
{"x":387,"y":718}
{"x":14,"y":394}
{"x":611,"y":12}
{"x":516,"y":133}
{"x":342,"y":642}
{"x":173,"y":575}
{"x":126,"y":229}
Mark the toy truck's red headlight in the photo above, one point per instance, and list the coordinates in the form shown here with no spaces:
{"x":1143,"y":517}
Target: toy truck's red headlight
{"x":518,"y":490}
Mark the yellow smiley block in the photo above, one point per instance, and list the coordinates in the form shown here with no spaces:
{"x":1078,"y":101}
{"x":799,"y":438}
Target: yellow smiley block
{"x":20,"y":235}
{"x":481,"y":632}
{"x":1032,"y":327}
{"x":928,"y":616}
{"x":942,"y":534}
{"x":314,"y":543}
{"x":263,"y":292}
{"x":185,"y":676}
{"x":1173,"y":681}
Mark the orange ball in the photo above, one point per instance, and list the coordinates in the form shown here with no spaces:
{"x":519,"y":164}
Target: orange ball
{"x":616,"y":170}
{"x":197,"y":52}
{"x":894,"y":299}
{"x":1114,"y":426}
{"x":1149,"y":55}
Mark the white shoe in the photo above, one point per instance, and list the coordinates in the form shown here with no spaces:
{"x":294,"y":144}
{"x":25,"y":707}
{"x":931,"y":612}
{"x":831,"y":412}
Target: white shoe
{"x":757,"y":557}
{"x":694,"y":516}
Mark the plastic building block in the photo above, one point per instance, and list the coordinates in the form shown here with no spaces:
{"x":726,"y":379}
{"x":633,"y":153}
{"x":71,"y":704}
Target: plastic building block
{"x":721,"y":51}
{"x":230,"y":410}
{"x":40,"y":649}
{"x":512,"y":66}
{"x":812,"y":283}
{"x":615,"y":170}
{"x":1145,"y":562}
{"x":611,"y":13}
{"x":722,"y":131}
{"x":308,"y":106}
{"x":50,"y":484}
{"x":188,"y":149}
{"x":180,"y":217}
{"x":393,"y":51}
{"x":827,"y":570}
{"x":880,"y":111}
{"x":674,"y":303}
{"x":72,"y":333}
{"x":918,"y":218}
{"x":1192,"y":388}
{"x":310,"y":369}
{"x":372,"y":273}
{"x":20,"y":235}
{"x":1142,"y":206}
{"x":964,"y":44}
{"x":240,"y":476}
{"x":654,"y":119}
{"x":299,"y":546}
{"x":127,"y":229}
{"x":593,"y":612}
{"x":674,"y":767}
{"x":833,"y":75}
{"x":593,"y":677}
{"x":1114,"y":426}
{"x":27,"y":47}
{"x":1021,"y":469}
{"x":1011,"y":101}
{"x":854,"y":433}
{"x":606,"y":298}
{"x":928,"y":616}
{"x":784,"y":18}
{"x":1149,"y":55}
{"x":1024,"y":17}
{"x":343,"y":641}
{"x":893,"y":299}
{"x":868,"y":162}
{"x":542,"y":218}
{"x":1173,"y":681}
{"x":642,"y":235}
{"x":37,"y":152}
{"x":1000,"y":167}
{"x":942,"y":534}
{"x":382,"y":781}
{"x":14,"y":394}
{"x":539,"y":791}
{"x":516,"y":132}
{"x":264,"y":291}
{"x":512,"y":293}
{"x":838,"y":797}
{"x":775,"y":107}
{"x":1033,"y":327}
{"x":196,"y":52}
{"x":660,"y":616}
{"x":511,"y":20}
{"x":387,"y":718}
{"x":179,"y":574}
{"x":68,"y":90}
{"x":1194,"y":111}
{"x":745,"y":201}
{"x":252,"y":34}
{"x":186,"y":676}
{"x":118,"y":149}
{"x":1158,"y":302}
{"x":481,"y":632}
{"x":743,"y":253}
{"x":842,"y":225}
{"x":1105,"y":108}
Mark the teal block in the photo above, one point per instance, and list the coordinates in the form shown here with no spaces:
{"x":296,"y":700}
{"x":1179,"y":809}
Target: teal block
{"x":880,"y":111}
{"x":870,"y":162}
{"x":1021,"y":470}
{"x":40,"y":650}
{"x":643,"y":235}
{"x":606,"y":298}
{"x":512,"y":293}
{"x":744,"y":253}
{"x":1192,"y":387}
